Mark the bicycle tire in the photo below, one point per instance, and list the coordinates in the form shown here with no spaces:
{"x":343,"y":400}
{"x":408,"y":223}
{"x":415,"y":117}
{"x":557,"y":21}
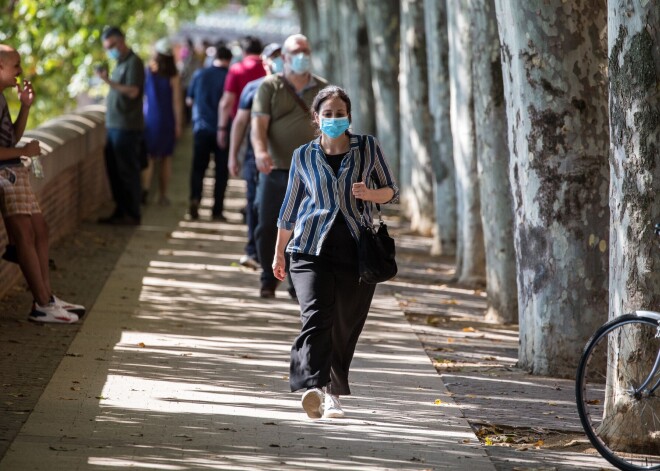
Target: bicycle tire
{"x":592,"y":395}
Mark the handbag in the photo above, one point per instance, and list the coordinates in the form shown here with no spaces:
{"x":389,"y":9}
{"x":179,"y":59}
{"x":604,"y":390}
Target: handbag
{"x":376,"y":249}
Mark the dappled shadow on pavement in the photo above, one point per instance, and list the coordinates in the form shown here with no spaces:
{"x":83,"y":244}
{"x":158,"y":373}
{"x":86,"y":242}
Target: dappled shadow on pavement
{"x":529,"y":422}
{"x":180,"y":365}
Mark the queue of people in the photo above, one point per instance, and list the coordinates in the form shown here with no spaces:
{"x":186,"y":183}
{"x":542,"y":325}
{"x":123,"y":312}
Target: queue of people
{"x":301,"y":165}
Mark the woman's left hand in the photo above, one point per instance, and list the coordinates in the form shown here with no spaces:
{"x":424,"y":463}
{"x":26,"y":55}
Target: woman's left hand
{"x":279,"y":266}
{"x":361,"y":191}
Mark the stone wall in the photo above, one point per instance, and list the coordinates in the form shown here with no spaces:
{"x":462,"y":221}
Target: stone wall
{"x":75,"y":183}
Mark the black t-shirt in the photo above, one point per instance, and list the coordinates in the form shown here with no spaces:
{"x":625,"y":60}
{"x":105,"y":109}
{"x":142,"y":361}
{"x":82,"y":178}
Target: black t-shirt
{"x":334,"y":160}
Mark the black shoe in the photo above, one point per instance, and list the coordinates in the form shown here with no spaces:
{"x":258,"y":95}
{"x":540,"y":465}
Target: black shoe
{"x":10,"y":254}
{"x":218,"y":218}
{"x":108,"y":219}
{"x":194,"y":210}
{"x":120,"y":221}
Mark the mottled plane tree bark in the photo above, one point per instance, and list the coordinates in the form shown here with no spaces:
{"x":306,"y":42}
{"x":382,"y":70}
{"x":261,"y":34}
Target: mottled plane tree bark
{"x":493,"y":165}
{"x":554,"y":65}
{"x":442,"y":154}
{"x":634,"y":71}
{"x":470,"y":256}
{"x":313,"y":16}
{"x":383,"y":31}
{"x":354,"y":52}
{"x":416,"y":121}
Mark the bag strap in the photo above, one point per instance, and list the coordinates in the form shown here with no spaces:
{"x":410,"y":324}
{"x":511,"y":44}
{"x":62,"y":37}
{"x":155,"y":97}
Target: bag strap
{"x":360,"y":203}
{"x":289,"y":88}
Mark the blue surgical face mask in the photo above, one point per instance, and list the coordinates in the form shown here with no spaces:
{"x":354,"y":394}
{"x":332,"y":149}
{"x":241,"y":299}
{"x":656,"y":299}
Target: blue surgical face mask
{"x":277,"y":65}
{"x":301,"y":63}
{"x":113,"y":53}
{"x":334,"y":127}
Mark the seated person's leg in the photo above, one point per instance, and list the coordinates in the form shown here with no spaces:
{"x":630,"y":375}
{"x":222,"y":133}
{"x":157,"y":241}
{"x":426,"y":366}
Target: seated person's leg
{"x":40,"y":230}
{"x":22,"y":232}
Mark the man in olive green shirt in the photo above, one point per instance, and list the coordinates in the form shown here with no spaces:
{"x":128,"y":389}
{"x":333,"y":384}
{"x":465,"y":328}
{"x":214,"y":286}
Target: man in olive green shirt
{"x":124,"y":122}
{"x":279,"y":126}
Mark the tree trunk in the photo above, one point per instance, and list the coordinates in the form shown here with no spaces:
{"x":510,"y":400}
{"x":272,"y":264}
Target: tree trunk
{"x":322,"y":54}
{"x":354,"y":52}
{"x":383,"y":31}
{"x":493,"y":165}
{"x":634,"y":70}
{"x":309,"y":21}
{"x":470,"y":256}
{"x":442,"y":155}
{"x":554,"y":62}
{"x":416,"y":120}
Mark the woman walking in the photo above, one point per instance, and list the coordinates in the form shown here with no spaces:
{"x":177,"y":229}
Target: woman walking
{"x":320,"y":209}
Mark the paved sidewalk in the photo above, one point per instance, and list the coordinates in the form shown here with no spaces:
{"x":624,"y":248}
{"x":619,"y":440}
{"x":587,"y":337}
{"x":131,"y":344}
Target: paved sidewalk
{"x":179,"y":365}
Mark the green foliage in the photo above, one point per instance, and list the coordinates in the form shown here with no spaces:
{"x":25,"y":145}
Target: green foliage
{"x":59,"y":40}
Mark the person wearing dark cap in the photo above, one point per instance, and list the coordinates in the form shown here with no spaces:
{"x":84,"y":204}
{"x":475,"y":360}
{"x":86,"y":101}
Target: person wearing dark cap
{"x":272,"y":60}
{"x":124,"y":123}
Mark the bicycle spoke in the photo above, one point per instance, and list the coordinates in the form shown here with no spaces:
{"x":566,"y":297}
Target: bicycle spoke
{"x":621,"y":424}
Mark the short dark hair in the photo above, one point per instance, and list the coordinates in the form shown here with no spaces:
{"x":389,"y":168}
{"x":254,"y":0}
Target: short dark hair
{"x":328,"y":92}
{"x":251,"y":45}
{"x":222,"y":52}
{"x":110,"y":31}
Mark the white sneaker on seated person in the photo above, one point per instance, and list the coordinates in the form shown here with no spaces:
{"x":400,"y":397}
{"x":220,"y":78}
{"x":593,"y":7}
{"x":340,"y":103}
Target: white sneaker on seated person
{"x":51,"y":313}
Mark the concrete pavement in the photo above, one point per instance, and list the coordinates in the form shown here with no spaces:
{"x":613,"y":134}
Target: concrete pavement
{"x":179,"y":365}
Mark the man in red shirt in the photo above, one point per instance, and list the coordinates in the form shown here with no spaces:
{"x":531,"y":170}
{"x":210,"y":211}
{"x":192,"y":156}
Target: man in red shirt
{"x":240,"y":74}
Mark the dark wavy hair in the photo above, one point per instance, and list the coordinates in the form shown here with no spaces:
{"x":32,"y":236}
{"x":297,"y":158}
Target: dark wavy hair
{"x":329,"y":92}
{"x":162,"y":64}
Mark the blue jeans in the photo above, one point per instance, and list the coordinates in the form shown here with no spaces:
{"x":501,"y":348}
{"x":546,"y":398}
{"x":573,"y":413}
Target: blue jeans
{"x":122,"y":160}
{"x":270,"y":195}
{"x":204,"y":145}
{"x":251,"y":176}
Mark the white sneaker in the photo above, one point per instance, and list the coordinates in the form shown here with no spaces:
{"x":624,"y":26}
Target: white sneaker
{"x":332,"y":408}
{"x":51,"y":312}
{"x":77,"y":309}
{"x":249,"y":262}
{"x":312,"y":402}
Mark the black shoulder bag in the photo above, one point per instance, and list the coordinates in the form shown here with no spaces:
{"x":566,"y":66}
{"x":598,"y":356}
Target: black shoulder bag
{"x":376,"y":249}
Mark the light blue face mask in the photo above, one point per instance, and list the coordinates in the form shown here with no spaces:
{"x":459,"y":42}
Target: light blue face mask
{"x":277,"y":65}
{"x":113,"y":53}
{"x":334,"y":127}
{"x":301,"y":63}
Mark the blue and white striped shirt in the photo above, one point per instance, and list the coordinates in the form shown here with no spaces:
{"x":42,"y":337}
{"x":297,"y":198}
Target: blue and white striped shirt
{"x":314,"y":195}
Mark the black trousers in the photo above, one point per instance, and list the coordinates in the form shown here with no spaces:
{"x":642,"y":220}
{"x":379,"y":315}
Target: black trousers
{"x":333,"y":309}
{"x":122,"y":160}
{"x":205,"y":144}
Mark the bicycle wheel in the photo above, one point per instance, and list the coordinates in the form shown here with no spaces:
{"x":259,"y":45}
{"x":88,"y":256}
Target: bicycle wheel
{"x":624,"y":428}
